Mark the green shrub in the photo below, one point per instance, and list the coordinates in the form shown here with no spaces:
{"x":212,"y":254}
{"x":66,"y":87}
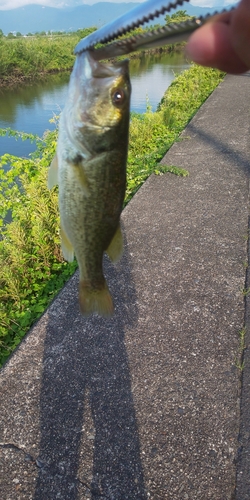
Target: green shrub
{"x":27,"y":58}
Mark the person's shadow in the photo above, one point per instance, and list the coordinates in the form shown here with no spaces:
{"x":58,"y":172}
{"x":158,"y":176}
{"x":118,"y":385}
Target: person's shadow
{"x":86,"y":365}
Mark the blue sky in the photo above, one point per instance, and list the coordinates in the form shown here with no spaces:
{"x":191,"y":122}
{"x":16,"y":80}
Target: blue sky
{"x":12,"y":4}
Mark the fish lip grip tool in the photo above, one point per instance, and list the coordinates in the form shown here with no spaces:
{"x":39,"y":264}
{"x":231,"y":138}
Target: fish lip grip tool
{"x":139,"y":15}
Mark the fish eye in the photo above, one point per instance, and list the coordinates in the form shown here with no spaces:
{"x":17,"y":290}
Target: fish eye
{"x":118,"y":96}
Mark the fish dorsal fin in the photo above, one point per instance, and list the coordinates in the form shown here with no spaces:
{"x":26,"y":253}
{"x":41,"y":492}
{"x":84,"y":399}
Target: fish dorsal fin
{"x":67,"y":247}
{"x":53,"y":173}
{"x":115,"y":248}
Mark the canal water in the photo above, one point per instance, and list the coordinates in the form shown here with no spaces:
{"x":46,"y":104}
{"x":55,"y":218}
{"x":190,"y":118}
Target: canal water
{"x":30,"y":108}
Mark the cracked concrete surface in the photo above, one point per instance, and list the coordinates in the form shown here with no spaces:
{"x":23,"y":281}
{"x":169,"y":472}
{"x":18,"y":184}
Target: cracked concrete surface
{"x":146,"y":405}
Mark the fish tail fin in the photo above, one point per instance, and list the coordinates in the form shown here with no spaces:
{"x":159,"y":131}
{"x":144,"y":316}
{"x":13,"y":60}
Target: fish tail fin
{"x":95,"y":300}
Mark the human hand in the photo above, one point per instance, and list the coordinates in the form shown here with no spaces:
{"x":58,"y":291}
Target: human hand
{"x":224,"y":41}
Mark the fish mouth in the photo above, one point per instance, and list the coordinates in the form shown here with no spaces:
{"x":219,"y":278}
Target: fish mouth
{"x":87,"y":66}
{"x":104,"y":70}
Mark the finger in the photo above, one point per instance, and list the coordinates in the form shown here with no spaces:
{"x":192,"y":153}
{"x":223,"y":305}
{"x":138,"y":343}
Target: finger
{"x":211,"y":45}
{"x":240,"y":30}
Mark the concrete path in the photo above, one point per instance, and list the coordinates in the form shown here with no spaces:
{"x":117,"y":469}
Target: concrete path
{"x":147,"y":405}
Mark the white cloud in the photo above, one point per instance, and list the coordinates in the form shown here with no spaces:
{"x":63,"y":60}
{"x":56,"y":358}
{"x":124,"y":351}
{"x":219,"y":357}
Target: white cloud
{"x":202,"y":3}
{"x":13,"y":4}
{"x":212,"y":3}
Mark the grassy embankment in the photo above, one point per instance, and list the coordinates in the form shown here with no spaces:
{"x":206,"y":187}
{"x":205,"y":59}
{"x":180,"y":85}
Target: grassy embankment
{"x":32,"y":270}
{"x":31,"y":58}
{"x":26,"y":59}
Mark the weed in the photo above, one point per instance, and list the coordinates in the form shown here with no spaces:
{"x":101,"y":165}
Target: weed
{"x":239,"y":363}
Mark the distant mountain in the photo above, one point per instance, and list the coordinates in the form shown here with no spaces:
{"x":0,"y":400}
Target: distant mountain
{"x":33,"y":18}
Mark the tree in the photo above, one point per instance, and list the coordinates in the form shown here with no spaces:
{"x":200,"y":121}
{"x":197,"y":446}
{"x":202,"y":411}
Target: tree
{"x":82,"y":32}
{"x":178,"y":17}
{"x":40,"y":33}
{"x":1,"y":33}
{"x":18,"y":33}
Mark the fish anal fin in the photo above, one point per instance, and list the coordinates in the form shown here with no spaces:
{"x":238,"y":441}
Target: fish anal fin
{"x":53,"y":173}
{"x":67,"y":247}
{"x":115,"y":249}
{"x":95,"y":300}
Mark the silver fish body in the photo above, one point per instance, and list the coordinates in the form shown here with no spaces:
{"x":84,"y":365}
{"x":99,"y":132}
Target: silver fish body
{"x":90,"y":168}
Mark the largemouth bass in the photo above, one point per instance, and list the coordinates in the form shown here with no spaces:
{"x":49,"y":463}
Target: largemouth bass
{"x":90,"y":169}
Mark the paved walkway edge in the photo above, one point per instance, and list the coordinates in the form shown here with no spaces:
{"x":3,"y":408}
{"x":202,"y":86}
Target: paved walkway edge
{"x":243,"y":460}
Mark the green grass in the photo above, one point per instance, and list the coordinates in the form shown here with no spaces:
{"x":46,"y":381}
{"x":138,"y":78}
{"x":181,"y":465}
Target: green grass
{"x":152,"y":134}
{"x":32,"y":269}
{"x":239,"y":362}
{"x":28,"y":58}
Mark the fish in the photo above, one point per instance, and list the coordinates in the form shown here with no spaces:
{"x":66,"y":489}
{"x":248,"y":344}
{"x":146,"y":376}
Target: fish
{"x":90,"y":170}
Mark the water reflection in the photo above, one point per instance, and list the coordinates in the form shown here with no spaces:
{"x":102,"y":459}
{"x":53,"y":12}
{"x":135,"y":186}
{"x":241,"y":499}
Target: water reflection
{"x":14,"y":101}
{"x":151,"y":75}
{"x":29,"y":108}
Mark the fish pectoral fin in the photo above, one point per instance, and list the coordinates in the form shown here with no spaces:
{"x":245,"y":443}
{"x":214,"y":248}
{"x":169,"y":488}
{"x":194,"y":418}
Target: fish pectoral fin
{"x":115,"y":249}
{"x":83,"y":180}
{"x":95,"y":300}
{"x":67,"y":247}
{"x":82,"y":166}
{"x":53,"y":173}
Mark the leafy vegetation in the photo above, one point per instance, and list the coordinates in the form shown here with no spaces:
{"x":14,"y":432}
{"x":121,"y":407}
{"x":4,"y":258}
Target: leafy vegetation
{"x":32,"y":269}
{"x":152,"y":134}
{"x":27,"y":58}
{"x":30,"y":57}
{"x":178,"y":17}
